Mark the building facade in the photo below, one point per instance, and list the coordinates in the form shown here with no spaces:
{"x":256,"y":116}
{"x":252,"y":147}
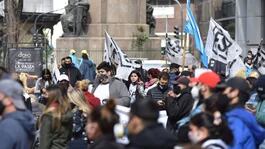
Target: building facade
{"x":244,"y":19}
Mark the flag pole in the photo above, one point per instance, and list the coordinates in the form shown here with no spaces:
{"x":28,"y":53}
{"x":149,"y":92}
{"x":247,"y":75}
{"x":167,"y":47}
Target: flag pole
{"x":182,"y":46}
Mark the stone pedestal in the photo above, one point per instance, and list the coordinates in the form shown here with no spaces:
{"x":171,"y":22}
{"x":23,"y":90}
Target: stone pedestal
{"x":121,"y":19}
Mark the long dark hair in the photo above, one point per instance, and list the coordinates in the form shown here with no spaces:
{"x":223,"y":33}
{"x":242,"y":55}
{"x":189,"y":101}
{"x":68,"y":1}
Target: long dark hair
{"x":137,"y":73}
{"x":62,"y":105}
{"x":105,"y":116}
{"x":216,"y":131}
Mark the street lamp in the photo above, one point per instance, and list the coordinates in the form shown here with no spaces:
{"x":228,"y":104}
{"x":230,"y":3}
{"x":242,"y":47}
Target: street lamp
{"x":182,"y":42}
{"x":44,"y":39}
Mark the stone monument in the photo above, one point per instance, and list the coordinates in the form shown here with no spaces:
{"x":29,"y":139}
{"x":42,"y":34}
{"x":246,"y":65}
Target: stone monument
{"x":122,"y":20}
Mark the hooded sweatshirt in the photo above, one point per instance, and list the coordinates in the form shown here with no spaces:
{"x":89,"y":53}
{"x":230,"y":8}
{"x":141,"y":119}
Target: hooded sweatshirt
{"x":87,"y":69}
{"x":257,"y":131}
{"x":17,"y":130}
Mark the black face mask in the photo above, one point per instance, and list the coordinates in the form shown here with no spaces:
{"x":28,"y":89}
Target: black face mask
{"x":46,"y":78}
{"x":176,"y":89}
{"x":67,"y":65}
{"x":2,"y":108}
{"x":163,"y":87}
{"x":103,"y":78}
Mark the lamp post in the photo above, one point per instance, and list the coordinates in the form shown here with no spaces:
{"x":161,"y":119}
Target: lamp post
{"x":36,"y":33}
{"x":182,"y":36}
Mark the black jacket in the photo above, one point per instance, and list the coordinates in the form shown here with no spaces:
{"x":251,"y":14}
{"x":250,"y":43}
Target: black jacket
{"x":73,"y":73}
{"x":154,"y":136}
{"x":106,"y":142}
{"x":178,"y":108}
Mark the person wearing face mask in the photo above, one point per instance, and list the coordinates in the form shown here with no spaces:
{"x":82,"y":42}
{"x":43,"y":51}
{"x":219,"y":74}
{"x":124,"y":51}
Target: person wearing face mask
{"x":259,"y":109}
{"x":160,"y":91}
{"x":71,"y":71}
{"x":17,"y":123}
{"x":249,"y":66}
{"x":237,"y":90}
{"x":204,"y":130}
{"x":173,"y":73}
{"x":106,"y":86}
{"x":178,"y":103}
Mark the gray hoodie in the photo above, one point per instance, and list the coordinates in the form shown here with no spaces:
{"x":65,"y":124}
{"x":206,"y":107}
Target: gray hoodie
{"x":17,"y":130}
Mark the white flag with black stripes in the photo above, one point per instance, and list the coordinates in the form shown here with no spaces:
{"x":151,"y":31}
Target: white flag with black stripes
{"x":221,"y":48}
{"x":115,"y":56}
{"x":173,"y":50}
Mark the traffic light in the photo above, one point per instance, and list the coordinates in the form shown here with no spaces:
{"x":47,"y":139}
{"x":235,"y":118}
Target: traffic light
{"x":38,"y":40}
{"x":163,"y":50}
{"x":176,"y":32}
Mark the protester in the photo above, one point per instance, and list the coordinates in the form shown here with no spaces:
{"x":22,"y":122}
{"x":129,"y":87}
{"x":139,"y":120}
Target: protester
{"x":173,"y":73}
{"x":26,"y":97}
{"x":207,"y":83}
{"x":90,"y":98}
{"x":100,"y":126}
{"x":74,"y":58}
{"x":106,"y":86}
{"x":80,"y":109}
{"x":42,"y":83}
{"x":152,"y":75}
{"x":211,"y":134}
{"x":179,"y":103}
{"x":87,"y":68}
{"x":64,"y":84}
{"x":142,"y":71}
{"x":249,"y":66}
{"x":259,"y":108}
{"x":237,"y":90}
{"x":56,"y":121}
{"x":71,"y":71}
{"x":160,"y":91}
{"x":17,"y":123}
{"x":135,"y":85}
{"x":144,"y":130}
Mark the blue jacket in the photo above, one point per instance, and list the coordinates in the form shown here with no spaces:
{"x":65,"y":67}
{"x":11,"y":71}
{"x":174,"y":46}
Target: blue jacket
{"x":16,"y":130}
{"x":75,"y":60}
{"x":87,"y":69}
{"x":250,"y":121}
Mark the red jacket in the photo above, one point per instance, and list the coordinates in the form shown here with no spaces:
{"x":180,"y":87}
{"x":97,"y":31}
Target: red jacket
{"x":91,"y":99}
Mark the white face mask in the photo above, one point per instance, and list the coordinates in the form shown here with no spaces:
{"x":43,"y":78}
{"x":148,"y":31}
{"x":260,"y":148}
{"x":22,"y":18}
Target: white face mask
{"x":194,"y":138}
{"x":195,"y":92}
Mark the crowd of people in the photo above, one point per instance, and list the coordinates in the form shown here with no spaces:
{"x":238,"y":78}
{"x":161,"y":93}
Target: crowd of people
{"x":77,"y":110}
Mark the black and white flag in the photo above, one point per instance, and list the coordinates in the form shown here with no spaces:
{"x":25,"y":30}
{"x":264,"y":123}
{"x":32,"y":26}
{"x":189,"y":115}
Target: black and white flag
{"x":173,"y":50}
{"x":115,"y":56}
{"x":223,"y":51}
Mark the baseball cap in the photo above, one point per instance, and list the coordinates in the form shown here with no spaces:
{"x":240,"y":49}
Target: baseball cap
{"x":238,"y":83}
{"x":84,"y":52}
{"x":14,"y":90}
{"x":183,"y":80}
{"x":145,"y":109}
{"x":208,"y":78}
{"x":63,"y":77}
{"x":72,"y":51}
{"x":260,"y":85}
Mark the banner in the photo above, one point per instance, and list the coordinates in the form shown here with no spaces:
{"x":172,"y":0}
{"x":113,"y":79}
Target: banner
{"x":115,"y":56}
{"x":27,"y":60}
{"x":222,"y":50}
